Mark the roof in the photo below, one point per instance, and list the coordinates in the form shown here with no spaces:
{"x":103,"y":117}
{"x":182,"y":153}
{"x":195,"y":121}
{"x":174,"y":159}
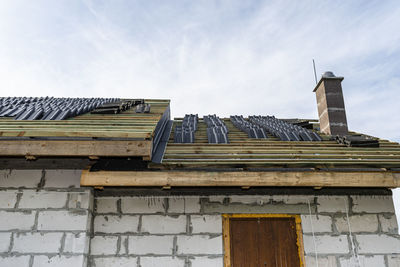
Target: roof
{"x":132,"y":133}
{"x":135,"y":143}
{"x":271,"y":153}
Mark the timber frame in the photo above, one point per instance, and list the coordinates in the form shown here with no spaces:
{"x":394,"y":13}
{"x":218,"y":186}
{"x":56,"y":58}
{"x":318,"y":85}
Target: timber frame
{"x":226,"y":233}
{"x":316,"y":179}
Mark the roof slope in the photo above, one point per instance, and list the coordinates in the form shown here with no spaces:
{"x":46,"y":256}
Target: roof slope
{"x":247,"y":153}
{"x":127,"y":124}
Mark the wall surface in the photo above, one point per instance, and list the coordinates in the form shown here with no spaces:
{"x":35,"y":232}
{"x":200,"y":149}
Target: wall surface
{"x":187,"y":231}
{"x":46,"y":219}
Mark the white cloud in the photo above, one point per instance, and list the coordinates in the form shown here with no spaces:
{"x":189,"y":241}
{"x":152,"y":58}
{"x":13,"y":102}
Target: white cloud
{"x":229,"y":57}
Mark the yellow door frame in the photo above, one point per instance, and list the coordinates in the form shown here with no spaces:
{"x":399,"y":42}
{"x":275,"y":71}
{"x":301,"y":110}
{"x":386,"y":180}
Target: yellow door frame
{"x":226,"y":233}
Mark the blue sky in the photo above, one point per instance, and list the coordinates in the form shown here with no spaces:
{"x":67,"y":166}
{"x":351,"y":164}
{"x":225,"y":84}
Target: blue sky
{"x":223,"y":57}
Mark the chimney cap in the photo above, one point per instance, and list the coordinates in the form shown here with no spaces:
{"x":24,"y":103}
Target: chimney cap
{"x":328,"y":74}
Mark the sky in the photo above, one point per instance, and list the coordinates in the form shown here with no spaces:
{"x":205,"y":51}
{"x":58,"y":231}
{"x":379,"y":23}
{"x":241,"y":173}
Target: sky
{"x":208,"y":57}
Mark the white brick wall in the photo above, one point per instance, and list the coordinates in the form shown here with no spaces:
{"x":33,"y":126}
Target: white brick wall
{"x":158,"y":231}
{"x":44,"y":226}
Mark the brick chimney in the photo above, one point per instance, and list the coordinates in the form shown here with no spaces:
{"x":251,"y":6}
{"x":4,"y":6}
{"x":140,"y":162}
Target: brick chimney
{"x":331,"y":111}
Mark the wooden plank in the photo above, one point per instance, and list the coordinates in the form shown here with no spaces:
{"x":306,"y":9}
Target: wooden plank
{"x":75,"y":148}
{"x":77,"y":133}
{"x":240,"y":178}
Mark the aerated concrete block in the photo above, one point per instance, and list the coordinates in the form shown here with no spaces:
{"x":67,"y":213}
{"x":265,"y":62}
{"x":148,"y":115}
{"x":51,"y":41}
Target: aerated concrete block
{"x":32,"y":199}
{"x":312,"y":261}
{"x":143,"y":205}
{"x":37,"y":243}
{"x":160,"y":224}
{"x":373,"y":204}
{"x":184,"y":205}
{"x":326,"y":244}
{"x":199,"y":244}
{"x":76,"y":243}
{"x":4,"y":242}
{"x":162,"y":261}
{"x":116,"y":224}
{"x":8,"y":198}
{"x":333,"y":204}
{"x":389,"y":223}
{"x":80,"y":200}
{"x":393,"y":260}
{"x":20,"y":178}
{"x":14,"y":261}
{"x":364,"y":261}
{"x":103,"y":245}
{"x":106,"y":205}
{"x":378,"y":244}
{"x":115,"y":262}
{"x":358,"y":223}
{"x":59,"y":261}
{"x":11,"y":220}
{"x":63,"y":220}
{"x":206,"y":224}
{"x":206,"y":261}
{"x":63,"y":178}
{"x":143,"y":245}
{"x":316,"y":223}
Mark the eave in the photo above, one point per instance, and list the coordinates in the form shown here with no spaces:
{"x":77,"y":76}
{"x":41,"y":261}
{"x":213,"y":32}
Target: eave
{"x":383,"y":179}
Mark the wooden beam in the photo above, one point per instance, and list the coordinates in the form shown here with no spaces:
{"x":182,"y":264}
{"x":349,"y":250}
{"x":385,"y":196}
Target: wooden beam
{"x":204,"y":178}
{"x":75,"y":148}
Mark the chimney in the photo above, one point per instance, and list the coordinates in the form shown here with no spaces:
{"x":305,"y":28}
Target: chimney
{"x":331,"y":111}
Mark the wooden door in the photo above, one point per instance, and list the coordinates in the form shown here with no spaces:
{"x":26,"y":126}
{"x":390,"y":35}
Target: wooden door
{"x":263,"y":242}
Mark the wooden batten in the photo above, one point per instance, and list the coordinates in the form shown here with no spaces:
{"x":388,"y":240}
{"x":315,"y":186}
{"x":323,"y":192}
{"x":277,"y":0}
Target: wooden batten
{"x":203,"y":178}
{"x":75,"y":148}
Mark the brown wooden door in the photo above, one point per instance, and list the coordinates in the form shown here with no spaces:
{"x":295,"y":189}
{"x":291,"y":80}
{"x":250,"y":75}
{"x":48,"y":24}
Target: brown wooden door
{"x":263,"y":242}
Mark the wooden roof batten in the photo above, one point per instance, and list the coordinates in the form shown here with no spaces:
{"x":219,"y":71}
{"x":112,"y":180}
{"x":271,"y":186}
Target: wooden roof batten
{"x":246,"y":162}
{"x":127,"y":134}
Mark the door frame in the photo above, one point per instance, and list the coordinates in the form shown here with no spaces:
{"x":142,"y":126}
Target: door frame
{"x":226,"y":233}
